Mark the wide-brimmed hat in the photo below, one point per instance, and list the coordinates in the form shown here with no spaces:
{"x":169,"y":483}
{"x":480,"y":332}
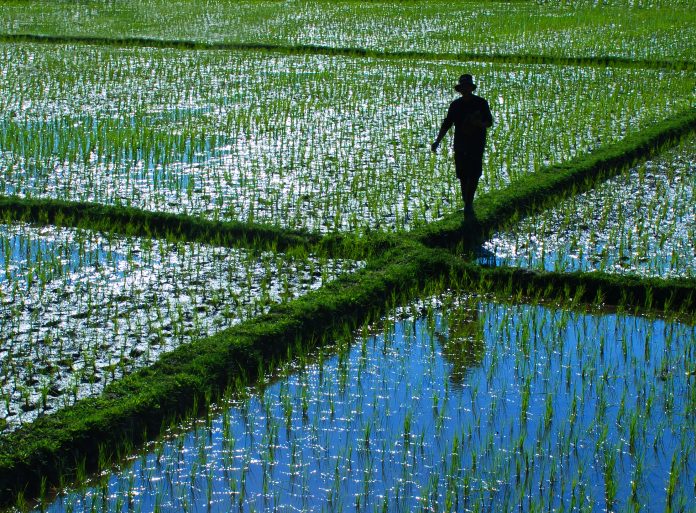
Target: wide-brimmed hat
{"x":465,"y":80}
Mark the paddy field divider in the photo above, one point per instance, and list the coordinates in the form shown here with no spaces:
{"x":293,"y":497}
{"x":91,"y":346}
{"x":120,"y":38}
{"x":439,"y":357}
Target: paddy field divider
{"x":529,"y":194}
{"x":191,"y":44}
{"x":94,"y":431}
{"x":130,"y":221}
{"x":136,"y":222}
{"x":137,"y":406}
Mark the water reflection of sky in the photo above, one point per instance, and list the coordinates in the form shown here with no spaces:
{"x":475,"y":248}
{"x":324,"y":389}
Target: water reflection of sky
{"x":429,"y":409}
{"x":54,"y":253}
{"x":641,"y":222}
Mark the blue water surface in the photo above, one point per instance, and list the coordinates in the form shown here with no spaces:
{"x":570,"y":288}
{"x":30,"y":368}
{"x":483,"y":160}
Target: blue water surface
{"x":469,"y":405}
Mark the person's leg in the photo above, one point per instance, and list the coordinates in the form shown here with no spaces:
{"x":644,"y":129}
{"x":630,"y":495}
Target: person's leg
{"x":469,"y":168}
{"x":474,"y":172}
{"x":463,"y":186}
{"x":469,"y":186}
{"x":462,"y":166}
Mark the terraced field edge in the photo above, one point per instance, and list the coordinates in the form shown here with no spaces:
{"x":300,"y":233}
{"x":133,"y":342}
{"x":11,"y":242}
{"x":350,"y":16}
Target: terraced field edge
{"x":188,"y":44}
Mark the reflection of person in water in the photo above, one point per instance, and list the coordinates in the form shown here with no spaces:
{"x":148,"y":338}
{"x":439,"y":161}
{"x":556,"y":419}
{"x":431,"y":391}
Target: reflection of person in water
{"x":463,"y":347}
{"x":470,"y":116}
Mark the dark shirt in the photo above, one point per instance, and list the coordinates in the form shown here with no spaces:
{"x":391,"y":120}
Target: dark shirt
{"x":467,"y":136}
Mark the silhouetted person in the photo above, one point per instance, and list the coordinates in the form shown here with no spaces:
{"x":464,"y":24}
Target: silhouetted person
{"x":470,"y":116}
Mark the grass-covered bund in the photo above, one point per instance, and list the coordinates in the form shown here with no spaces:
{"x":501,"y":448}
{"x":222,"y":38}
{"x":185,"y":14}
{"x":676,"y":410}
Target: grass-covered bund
{"x":136,"y":407}
{"x":410,"y":250}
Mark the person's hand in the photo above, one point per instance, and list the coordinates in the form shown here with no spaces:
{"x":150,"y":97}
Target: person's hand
{"x":434,"y":146}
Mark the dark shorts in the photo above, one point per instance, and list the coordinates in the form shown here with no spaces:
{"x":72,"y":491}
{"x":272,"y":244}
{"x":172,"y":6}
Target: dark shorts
{"x":468,"y":164}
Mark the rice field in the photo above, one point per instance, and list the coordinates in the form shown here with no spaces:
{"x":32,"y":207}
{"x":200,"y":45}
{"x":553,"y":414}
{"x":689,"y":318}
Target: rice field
{"x":318,"y":116}
{"x":300,"y":141}
{"x":79,"y":309}
{"x":642,"y":222}
{"x":641,"y":29}
{"x":457,"y":403}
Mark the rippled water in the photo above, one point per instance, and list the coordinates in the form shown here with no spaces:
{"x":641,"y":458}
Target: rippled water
{"x":642,"y":222}
{"x":302,"y":141}
{"x":80,"y":308}
{"x":456,"y":405}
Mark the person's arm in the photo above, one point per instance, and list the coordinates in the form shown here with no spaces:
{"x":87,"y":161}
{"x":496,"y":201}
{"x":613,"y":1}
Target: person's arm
{"x":446,"y":125}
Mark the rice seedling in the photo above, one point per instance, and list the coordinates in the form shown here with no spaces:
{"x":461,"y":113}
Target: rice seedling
{"x":192,"y":133}
{"x":104,"y":305}
{"x":644,"y":29}
{"x":383,"y":440}
{"x":641,"y":222}
{"x":468,"y":403}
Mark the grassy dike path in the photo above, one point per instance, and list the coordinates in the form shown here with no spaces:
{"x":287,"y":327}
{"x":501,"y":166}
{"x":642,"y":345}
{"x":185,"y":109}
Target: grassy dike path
{"x":82,"y":437}
{"x":94,"y":431}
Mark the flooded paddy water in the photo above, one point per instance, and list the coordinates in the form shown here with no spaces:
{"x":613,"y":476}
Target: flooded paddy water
{"x":637,"y":29}
{"x":79,"y":308}
{"x":453,"y":404}
{"x":301,"y":141}
{"x":641,"y":222}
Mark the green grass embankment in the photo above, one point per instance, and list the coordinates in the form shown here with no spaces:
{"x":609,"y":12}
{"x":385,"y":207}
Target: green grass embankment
{"x":53,"y":447}
{"x":537,"y":191}
{"x":189,"y":44}
{"x":625,"y":292}
{"x":140,"y":404}
{"x":143,"y":223}
{"x":129,"y":221}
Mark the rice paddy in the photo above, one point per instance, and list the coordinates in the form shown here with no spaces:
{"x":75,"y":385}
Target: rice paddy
{"x":301,"y":141}
{"x":79,"y":309}
{"x":642,"y":222}
{"x":314,"y":119}
{"x":456,"y":404}
{"x":642,"y":29}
